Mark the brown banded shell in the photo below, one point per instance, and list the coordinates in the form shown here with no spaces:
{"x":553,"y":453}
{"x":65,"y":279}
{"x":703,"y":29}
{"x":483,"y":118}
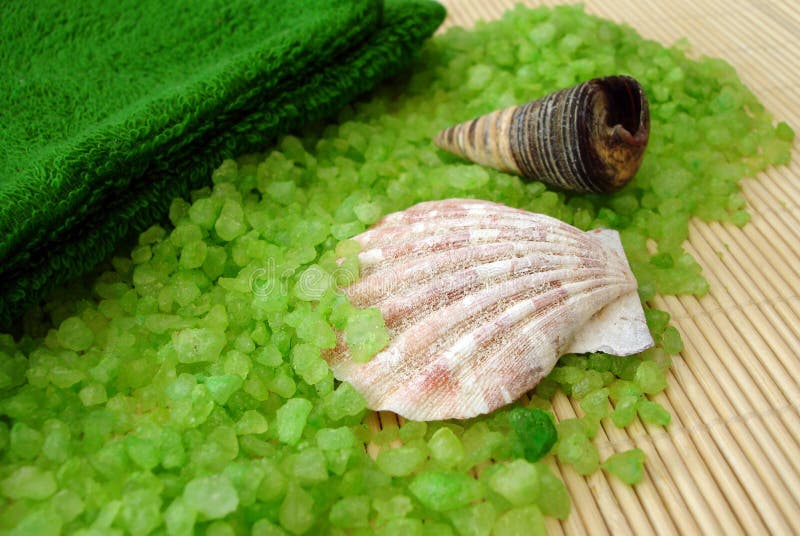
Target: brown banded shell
{"x":587,"y":138}
{"x":480,"y":300}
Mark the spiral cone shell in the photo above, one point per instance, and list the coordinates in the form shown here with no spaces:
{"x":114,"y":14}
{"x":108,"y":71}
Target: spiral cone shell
{"x":480,"y":300}
{"x":587,"y":138}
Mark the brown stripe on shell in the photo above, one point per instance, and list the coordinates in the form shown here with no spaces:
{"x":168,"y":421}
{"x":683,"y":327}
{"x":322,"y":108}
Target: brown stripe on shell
{"x":587,"y":138}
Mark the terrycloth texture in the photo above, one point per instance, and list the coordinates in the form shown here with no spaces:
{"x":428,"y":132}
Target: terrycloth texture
{"x":109,"y":110}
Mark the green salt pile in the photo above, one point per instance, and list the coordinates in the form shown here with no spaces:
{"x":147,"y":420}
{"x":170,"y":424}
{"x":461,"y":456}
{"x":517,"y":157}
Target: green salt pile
{"x":185,"y":390}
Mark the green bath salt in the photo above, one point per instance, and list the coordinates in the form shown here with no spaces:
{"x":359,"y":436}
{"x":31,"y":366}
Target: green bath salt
{"x":183,"y":388}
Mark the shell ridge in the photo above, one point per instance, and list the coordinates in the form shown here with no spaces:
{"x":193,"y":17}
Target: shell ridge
{"x":516,"y":137}
{"x":421,"y":269}
{"x":452,"y":326}
{"x":454,"y":287}
{"x":582,"y":148}
{"x":378,"y":279}
{"x":528,"y":342}
{"x":505,"y":148}
{"x":530,"y":335}
{"x":573,"y":118}
{"x":442,"y":226}
{"x":373,"y":257}
{"x":558,"y":145}
{"x":409,"y":339}
{"x":578,"y":122}
{"x":546,"y":141}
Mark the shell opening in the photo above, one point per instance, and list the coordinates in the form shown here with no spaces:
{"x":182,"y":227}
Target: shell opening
{"x":625,"y":108}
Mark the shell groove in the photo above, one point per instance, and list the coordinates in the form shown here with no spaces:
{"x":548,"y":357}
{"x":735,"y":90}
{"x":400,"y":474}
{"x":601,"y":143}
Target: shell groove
{"x":587,"y":138}
{"x":480,"y":300}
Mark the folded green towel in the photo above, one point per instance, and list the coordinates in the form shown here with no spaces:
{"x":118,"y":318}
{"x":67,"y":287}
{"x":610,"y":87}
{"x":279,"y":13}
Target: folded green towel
{"x":109,"y":110}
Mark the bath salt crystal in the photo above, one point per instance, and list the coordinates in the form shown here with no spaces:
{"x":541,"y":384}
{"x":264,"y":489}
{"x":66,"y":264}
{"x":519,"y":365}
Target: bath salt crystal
{"x":315,"y":330}
{"x":343,"y":231}
{"x":25,"y":442}
{"x":626,"y":465}
{"x":535,"y":429}
{"x":93,"y":394}
{"x":152,"y":235}
{"x":142,"y":452}
{"x":474,"y":520}
{"x":624,"y":411}
{"x":246,"y":477}
{"x":310,"y":466}
{"x":596,"y":403}
{"x":343,"y":402}
{"x":251,"y":422}
{"x":620,"y":389}
{"x":141,"y":254}
{"x":186,"y":233}
{"x":29,"y":482}
{"x":193,"y":255}
{"x":400,"y":461}
{"x":650,"y":378}
{"x":140,"y":511}
{"x":580,"y":452}
{"x":446,"y":447}
{"x":526,"y":520}
{"x":296,"y":512}
{"x":282,"y":384}
{"x":222,"y":387}
{"x":68,"y":505}
{"x":672,"y":341}
{"x":230,"y":223}
{"x":74,"y":334}
{"x":308,"y":364}
{"x":282,"y":192}
{"x":312,"y":283}
{"x":236,"y":363}
{"x":57,"y":445}
{"x":553,"y":496}
{"x":179,"y":518}
{"x":195,"y":345}
{"x":213,"y":496}
{"x":397,"y":506}
{"x":40,"y":521}
{"x":263,"y":527}
{"x":653,"y":413}
{"x":335,"y":438}
{"x":441,"y":491}
{"x":366,"y":333}
{"x":414,"y":527}
{"x":204,"y":212}
{"x":220,"y":528}
{"x":368,"y":213}
{"x":467,"y":177}
{"x":517,"y":481}
{"x":350,"y":512}
{"x":291,"y":419}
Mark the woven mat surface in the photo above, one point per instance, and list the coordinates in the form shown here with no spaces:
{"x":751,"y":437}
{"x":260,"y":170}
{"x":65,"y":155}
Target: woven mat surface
{"x":730,"y":461}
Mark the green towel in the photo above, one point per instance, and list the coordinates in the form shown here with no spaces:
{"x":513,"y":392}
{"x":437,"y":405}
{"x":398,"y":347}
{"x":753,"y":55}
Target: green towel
{"x":110,"y":109}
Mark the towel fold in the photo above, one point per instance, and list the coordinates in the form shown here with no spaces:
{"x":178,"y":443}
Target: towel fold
{"x":109,"y":110}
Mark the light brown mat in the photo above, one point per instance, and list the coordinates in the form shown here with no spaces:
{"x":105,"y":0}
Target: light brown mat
{"x":730,"y":461}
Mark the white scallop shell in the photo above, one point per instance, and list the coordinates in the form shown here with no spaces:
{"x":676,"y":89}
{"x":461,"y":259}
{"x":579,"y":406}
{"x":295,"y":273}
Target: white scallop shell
{"x":481,"y":300}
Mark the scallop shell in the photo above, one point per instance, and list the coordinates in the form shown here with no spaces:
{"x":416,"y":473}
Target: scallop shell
{"x":480,"y":300}
{"x":587,"y":138}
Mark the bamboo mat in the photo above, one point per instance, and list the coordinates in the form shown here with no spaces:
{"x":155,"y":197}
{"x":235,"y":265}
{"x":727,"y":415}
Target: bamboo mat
{"x":730,"y":461}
